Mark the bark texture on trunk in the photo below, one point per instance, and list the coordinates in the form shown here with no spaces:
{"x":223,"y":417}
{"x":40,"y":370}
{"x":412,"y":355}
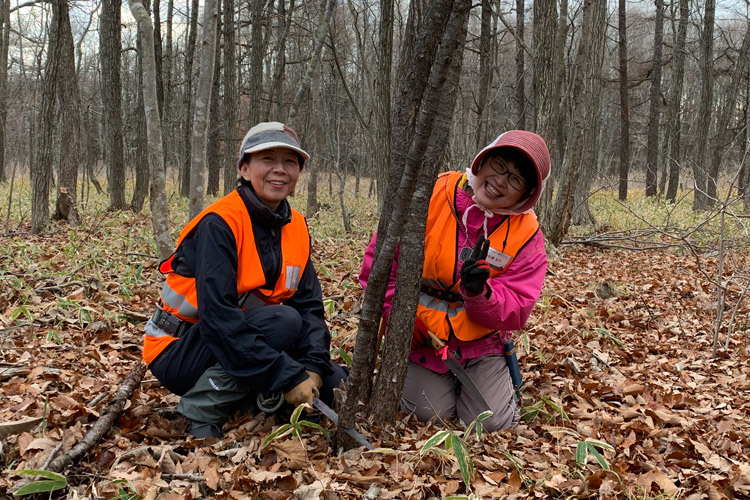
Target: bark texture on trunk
{"x":624,"y":168}
{"x":439,"y":105}
{"x":583,"y":130}
{"x":701,"y":200}
{"x":158,"y":199}
{"x":199,"y":142}
{"x":110,"y":60}
{"x":652,"y":149}
{"x":674,"y":111}
{"x":70,"y":130}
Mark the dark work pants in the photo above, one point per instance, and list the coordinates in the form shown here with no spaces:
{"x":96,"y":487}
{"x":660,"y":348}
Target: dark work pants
{"x":209,"y":394}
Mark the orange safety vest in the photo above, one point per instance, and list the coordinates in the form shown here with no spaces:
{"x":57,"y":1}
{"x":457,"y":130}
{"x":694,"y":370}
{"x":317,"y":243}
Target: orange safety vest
{"x":447,"y":315}
{"x":178,"y":296}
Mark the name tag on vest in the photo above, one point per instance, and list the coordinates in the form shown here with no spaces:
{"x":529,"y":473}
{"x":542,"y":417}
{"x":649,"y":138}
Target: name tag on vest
{"x":292,"y":277}
{"x":497,"y":259}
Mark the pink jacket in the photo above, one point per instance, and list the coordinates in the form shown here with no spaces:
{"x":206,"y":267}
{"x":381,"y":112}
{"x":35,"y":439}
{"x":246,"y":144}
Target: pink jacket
{"x":513,"y":296}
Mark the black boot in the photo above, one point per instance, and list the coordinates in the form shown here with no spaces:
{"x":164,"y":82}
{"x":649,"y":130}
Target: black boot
{"x":202,"y":430}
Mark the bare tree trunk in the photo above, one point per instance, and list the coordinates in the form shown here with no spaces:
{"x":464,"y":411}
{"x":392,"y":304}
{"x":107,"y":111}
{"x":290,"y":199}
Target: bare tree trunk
{"x":166,"y":111}
{"x":319,"y":148}
{"x":583,"y":129}
{"x":158,"y":200}
{"x":277,"y":84}
{"x":485,"y":73}
{"x":520,"y":66}
{"x":383,"y":101}
{"x":257,"y":49}
{"x":214,"y":153}
{"x":142,"y":144}
{"x":705,"y":65}
{"x":41,"y":166}
{"x":320,"y":36}
{"x":4,"y":45}
{"x":202,"y":104}
{"x":187,"y":103}
{"x":91,"y":155}
{"x":109,"y":57}
{"x":70,"y":133}
{"x":438,"y":102}
{"x":725,"y":113}
{"x":652,"y":149}
{"x":624,"y":169}
{"x":674,"y":113}
{"x":549,"y":71}
{"x":413,"y":124}
{"x":744,"y":152}
{"x":158,"y":54}
{"x":231,"y":98}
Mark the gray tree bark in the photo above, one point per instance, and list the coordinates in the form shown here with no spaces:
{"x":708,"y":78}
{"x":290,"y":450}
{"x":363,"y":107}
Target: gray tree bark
{"x":652,"y":149}
{"x":320,"y":36}
{"x":257,"y":49}
{"x":319,"y":143}
{"x":231,"y":98}
{"x":413,"y":123}
{"x":549,"y":74}
{"x":214,"y":152}
{"x":4,"y":46}
{"x":725,"y":113}
{"x":701,"y":200}
{"x":202,"y":108}
{"x":283,"y":19}
{"x":142,"y":178}
{"x":41,"y":165}
{"x":187,"y":103}
{"x":158,"y":200}
{"x":674,"y":111}
{"x":383,"y":100}
{"x":109,"y":59}
{"x":624,"y":168}
{"x":583,"y":129}
{"x":439,"y":104}
{"x":70,"y":113}
{"x":485,"y":73}
{"x":520,"y":66}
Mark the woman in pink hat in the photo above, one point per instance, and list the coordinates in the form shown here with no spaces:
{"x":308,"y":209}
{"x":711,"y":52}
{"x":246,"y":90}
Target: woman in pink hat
{"x":484,"y":268}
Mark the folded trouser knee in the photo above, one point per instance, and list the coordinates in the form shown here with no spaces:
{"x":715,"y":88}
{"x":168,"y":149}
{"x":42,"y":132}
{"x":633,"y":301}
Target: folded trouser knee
{"x":214,"y":397}
{"x":491,"y":376}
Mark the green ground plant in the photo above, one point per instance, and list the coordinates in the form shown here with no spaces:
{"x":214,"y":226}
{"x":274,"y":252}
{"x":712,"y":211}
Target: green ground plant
{"x":294,"y":427}
{"x":455,"y":447}
{"x":52,"y":482}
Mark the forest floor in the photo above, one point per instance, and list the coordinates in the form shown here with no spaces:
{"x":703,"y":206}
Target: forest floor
{"x":623,"y":397}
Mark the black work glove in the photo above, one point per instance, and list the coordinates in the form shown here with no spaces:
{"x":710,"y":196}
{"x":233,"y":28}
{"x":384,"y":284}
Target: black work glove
{"x":476,"y":270}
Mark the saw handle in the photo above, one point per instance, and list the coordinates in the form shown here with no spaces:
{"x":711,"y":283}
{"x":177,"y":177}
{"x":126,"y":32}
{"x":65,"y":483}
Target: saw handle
{"x":436,"y":342}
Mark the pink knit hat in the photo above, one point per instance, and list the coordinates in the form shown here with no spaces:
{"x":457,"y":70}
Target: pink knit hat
{"x":531,"y":145}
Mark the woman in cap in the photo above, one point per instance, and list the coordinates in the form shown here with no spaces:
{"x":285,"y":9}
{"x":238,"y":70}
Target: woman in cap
{"x":483,"y":272}
{"x":241,"y":312}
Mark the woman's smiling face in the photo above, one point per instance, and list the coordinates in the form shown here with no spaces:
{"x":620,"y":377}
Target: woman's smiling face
{"x":273,"y":174}
{"x":499,"y":184}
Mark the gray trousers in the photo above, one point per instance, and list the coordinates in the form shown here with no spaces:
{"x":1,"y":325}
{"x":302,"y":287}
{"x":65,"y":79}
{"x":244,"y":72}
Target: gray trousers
{"x":216,"y":396}
{"x":427,"y":393}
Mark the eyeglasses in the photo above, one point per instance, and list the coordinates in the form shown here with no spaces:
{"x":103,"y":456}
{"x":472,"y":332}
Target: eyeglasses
{"x":500,"y":167}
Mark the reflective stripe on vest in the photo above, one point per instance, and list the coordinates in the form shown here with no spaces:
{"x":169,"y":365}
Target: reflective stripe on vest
{"x":441,"y":260}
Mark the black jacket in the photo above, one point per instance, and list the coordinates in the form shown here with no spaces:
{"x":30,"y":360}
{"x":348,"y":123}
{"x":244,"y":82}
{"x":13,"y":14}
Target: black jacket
{"x":210,"y":253}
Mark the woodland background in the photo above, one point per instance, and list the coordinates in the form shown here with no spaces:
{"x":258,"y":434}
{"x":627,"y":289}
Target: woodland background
{"x":636,"y":355}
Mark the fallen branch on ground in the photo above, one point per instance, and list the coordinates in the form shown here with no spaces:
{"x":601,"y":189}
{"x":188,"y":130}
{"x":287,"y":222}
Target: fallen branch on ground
{"x":108,"y":416}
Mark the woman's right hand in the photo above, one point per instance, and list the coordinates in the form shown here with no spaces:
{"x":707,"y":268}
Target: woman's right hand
{"x":304,"y":392}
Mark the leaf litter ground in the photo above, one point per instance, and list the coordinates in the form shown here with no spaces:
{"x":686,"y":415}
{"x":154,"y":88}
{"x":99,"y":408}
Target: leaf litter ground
{"x":620,"y":343}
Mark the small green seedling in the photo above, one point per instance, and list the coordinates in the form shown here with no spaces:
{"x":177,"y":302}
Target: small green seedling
{"x":294,"y":426}
{"x":53,"y":482}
